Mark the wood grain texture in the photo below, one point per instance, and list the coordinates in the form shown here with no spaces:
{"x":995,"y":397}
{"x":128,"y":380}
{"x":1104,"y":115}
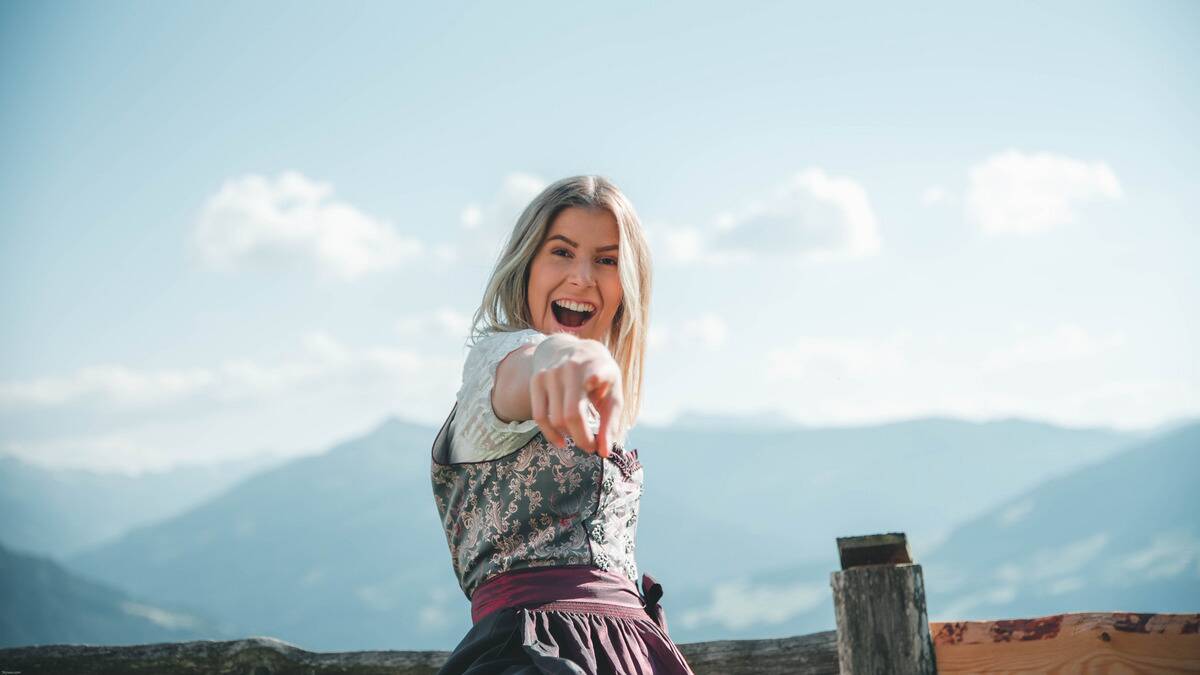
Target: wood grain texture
{"x":882,"y":622}
{"x":814,"y":654}
{"x":1116,"y":642}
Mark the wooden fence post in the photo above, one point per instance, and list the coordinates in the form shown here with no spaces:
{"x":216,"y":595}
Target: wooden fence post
{"x":879,"y":600}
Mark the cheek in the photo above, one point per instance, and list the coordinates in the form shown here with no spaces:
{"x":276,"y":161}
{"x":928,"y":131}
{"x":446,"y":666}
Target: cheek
{"x":536,"y":306}
{"x":534,"y":292}
{"x":613,"y":296}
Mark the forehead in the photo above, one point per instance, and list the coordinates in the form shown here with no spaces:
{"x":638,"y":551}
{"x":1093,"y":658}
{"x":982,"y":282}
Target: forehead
{"x":587,"y":227}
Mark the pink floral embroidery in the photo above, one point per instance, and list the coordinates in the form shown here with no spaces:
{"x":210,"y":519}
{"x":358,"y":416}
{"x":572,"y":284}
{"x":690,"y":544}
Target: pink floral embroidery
{"x":539,"y":506}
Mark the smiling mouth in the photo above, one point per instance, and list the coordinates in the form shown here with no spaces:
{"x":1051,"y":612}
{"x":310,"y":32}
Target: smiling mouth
{"x":569,"y":317}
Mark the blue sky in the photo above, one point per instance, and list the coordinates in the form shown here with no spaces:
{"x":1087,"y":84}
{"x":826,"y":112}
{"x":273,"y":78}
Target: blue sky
{"x":241,"y":228}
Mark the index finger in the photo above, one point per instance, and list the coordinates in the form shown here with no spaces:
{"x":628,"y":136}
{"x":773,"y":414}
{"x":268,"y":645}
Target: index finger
{"x":609,"y":408}
{"x":575,"y":412}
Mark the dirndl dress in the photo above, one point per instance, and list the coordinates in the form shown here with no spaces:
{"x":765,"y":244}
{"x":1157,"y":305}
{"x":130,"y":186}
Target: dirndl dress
{"x":566,"y":621}
{"x":542,"y":541}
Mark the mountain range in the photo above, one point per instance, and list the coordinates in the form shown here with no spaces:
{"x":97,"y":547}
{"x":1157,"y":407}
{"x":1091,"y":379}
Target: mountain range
{"x":343,"y":550}
{"x":44,"y":603}
{"x":59,"y":512}
{"x":1118,"y":534}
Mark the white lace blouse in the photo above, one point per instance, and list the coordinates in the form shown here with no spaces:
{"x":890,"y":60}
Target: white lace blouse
{"x":478,"y":434}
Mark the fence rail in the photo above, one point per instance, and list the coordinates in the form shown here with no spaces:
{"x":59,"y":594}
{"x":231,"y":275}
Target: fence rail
{"x":879,"y":600}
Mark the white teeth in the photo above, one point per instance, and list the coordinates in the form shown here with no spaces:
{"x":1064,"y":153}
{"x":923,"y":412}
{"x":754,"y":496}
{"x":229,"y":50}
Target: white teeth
{"x":576,"y":306}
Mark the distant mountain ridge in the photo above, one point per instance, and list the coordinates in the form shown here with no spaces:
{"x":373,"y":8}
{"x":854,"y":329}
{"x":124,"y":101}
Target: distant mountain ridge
{"x":782,"y":495}
{"x":353,"y":532}
{"x":1119,"y":534}
{"x":58,"y":512}
{"x":350,"y":533}
{"x":43,"y":603}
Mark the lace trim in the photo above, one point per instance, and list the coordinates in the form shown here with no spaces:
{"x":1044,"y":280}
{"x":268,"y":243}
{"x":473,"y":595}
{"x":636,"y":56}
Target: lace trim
{"x":626,"y":460}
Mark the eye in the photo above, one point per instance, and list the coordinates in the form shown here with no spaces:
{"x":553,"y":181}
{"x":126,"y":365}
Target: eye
{"x":560,"y":252}
{"x":607,"y":260}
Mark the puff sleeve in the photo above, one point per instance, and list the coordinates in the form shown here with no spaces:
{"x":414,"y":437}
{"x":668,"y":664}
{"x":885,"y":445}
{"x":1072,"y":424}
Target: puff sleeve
{"x":478,"y":434}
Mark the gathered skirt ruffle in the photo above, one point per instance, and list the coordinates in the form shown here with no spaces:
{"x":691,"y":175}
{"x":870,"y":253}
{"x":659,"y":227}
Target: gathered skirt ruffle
{"x":555,"y":641}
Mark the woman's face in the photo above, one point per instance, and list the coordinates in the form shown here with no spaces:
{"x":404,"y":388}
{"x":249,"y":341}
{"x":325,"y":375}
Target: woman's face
{"x":573,"y":282}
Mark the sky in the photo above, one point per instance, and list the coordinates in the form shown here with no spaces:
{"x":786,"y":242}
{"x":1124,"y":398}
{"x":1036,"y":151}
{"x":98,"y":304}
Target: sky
{"x":260,"y":228}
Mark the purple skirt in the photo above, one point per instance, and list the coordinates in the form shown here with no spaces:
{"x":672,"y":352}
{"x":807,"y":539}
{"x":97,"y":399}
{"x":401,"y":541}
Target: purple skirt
{"x":568,"y":620}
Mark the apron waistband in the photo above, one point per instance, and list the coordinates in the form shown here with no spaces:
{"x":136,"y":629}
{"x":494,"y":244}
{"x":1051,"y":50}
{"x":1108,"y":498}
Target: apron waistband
{"x":570,"y":588}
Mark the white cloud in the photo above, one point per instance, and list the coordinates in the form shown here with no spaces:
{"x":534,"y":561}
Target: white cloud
{"x":443,"y":321}
{"x":811,"y":216}
{"x":704,"y":332}
{"x":1065,"y":585}
{"x":127,"y":419}
{"x":1066,"y":342}
{"x":159,"y":616}
{"x":1008,"y":573}
{"x":945,"y":578}
{"x":313,"y":576}
{"x":683,"y":244}
{"x":520,"y":188}
{"x":813,"y":358}
{"x":1015,"y":513}
{"x":109,"y":382}
{"x":433,"y":616}
{"x":1168,"y":555}
{"x":487,"y":226}
{"x":934,"y":194}
{"x":117,"y":387}
{"x":107,"y":453}
{"x":1015,"y":192}
{"x":471,"y":216}
{"x":254,"y":218}
{"x":707,"y":330}
{"x":957,"y":609}
{"x":1067,"y":558}
{"x":738,"y":604}
{"x":1061,"y":373}
{"x":657,"y":338}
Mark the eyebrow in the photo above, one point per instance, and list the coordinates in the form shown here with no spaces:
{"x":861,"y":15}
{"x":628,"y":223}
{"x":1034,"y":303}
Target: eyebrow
{"x":610,"y":247}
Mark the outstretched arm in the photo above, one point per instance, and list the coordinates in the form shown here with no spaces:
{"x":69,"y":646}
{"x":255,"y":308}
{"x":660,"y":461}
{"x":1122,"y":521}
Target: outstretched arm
{"x":553,"y":383}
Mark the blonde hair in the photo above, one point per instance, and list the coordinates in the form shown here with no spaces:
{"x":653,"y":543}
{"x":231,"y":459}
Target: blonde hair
{"x":505,"y":305}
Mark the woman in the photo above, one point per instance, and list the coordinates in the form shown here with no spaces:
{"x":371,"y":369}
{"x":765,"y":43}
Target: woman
{"x":536,"y":491}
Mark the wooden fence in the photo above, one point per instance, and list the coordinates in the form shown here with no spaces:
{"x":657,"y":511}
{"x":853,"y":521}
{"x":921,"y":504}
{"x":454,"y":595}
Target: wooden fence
{"x":879,"y":601}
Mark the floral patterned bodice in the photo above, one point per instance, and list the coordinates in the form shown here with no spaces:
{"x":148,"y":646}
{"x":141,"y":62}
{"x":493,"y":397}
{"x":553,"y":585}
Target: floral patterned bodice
{"x":538,"y":506}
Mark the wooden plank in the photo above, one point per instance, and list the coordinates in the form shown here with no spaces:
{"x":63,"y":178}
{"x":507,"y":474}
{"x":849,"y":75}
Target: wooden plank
{"x":1117,"y":642}
{"x":813,"y":654}
{"x":882,"y":624}
{"x":874,"y":549}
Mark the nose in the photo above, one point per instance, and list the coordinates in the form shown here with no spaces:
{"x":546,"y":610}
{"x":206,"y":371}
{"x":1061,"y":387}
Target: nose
{"x":581,"y":273}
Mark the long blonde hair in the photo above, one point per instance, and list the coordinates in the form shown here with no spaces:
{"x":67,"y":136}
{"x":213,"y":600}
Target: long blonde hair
{"x":505,"y":305}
